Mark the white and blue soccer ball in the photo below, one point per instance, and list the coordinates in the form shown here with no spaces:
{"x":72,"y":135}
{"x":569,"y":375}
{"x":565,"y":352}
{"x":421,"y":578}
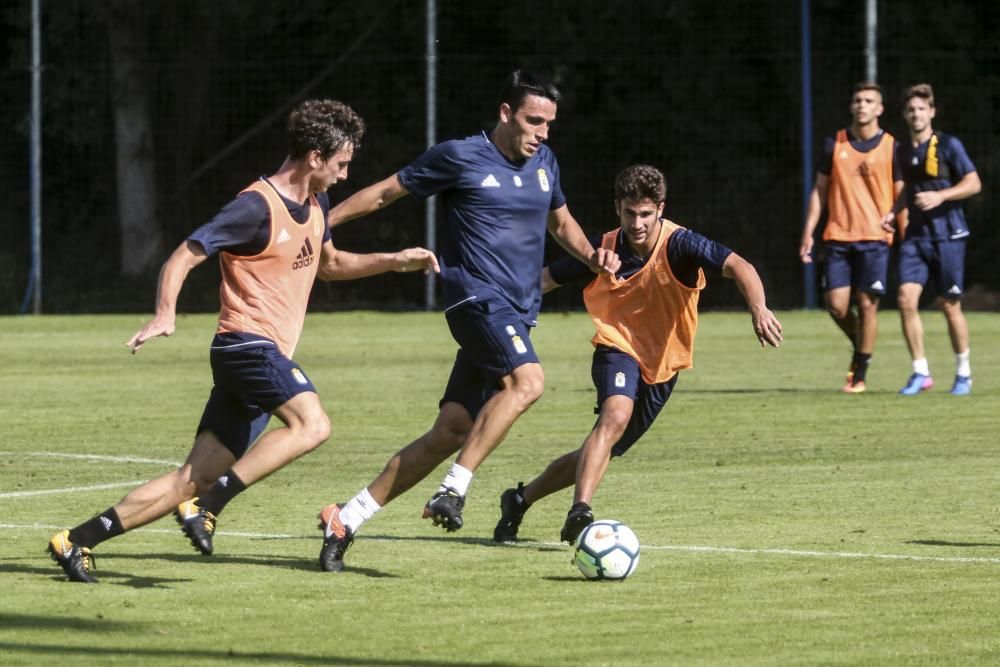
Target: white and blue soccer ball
{"x":606,"y":549}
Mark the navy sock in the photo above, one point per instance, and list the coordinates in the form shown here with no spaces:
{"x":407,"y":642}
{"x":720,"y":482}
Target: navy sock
{"x":225,"y":489}
{"x":860,"y":365}
{"x":102,"y":527}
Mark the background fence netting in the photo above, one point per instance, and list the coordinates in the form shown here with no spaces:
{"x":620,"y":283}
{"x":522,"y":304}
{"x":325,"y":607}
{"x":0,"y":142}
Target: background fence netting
{"x":709,"y":92}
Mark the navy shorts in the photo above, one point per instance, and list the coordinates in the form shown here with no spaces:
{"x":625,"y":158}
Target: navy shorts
{"x":617,"y":374}
{"x":862,"y":266}
{"x":493,"y":341}
{"x":922,"y":259}
{"x":251,"y":380}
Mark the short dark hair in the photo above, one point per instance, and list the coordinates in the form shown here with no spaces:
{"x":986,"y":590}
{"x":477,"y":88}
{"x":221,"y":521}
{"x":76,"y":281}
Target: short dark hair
{"x":641,"y":181}
{"x":921,"y":90}
{"x":522,"y":83}
{"x":867,"y":85}
{"x":326,"y":126}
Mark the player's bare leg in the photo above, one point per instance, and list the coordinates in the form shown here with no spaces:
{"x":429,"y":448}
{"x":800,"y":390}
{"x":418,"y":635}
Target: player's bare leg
{"x":521,"y":388}
{"x":595,"y":455}
{"x":838,"y":305}
{"x":306,"y":427}
{"x":413,"y":463}
{"x":908,"y":301}
{"x":157,"y":498}
{"x":958,"y":331}
{"x":407,"y":467}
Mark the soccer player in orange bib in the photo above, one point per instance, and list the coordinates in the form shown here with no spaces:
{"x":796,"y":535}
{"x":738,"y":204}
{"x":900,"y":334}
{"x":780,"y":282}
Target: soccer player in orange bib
{"x":272,"y":241}
{"x":857,"y":182}
{"x":646,"y":316}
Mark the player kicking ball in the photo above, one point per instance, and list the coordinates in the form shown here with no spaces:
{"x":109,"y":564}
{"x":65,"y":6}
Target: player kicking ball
{"x":646,"y":315}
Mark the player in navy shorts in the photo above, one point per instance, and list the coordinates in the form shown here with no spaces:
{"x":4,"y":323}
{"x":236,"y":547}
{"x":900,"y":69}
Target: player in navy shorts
{"x":938,"y":175}
{"x":501,"y":192}
{"x":263,"y":239}
{"x":637,"y":357}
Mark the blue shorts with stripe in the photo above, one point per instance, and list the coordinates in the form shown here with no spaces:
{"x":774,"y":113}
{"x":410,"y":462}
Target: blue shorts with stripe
{"x":617,"y":374}
{"x":863,"y":266}
{"x":493,"y":340}
{"x":252,"y":378}
{"x":944,"y":261}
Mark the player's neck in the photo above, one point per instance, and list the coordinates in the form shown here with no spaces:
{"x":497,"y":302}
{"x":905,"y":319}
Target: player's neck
{"x":922,"y":136}
{"x":291,"y":181}
{"x":866,"y":131}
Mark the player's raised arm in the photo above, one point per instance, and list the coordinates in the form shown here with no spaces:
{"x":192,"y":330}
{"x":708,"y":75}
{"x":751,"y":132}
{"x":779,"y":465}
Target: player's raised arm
{"x":175,"y":270}
{"x":765,"y":325}
{"x":565,"y":229}
{"x":341,"y":265}
{"x":370,"y":199}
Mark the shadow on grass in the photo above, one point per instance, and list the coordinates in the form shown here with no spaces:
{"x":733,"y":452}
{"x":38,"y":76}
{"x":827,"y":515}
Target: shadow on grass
{"x":267,"y":560}
{"x":95,"y":624}
{"x":946,"y":543}
{"x":103,"y":576}
{"x":202,"y":655}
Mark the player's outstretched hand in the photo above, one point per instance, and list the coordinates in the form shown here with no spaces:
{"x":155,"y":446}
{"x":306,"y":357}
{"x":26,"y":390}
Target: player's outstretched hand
{"x":604,"y":259}
{"x":412,"y":259}
{"x":158,"y":326}
{"x":767,"y":327}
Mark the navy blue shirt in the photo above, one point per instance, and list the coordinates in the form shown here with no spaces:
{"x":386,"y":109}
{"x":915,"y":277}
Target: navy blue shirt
{"x":496,"y":214}
{"x":824,"y":164}
{"x":243,"y":226}
{"x":947,"y":221}
{"x":687,"y":251}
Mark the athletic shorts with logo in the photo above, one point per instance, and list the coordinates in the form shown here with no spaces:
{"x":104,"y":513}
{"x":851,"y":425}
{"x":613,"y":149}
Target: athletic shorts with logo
{"x":944,"y":261}
{"x":617,"y":374}
{"x":493,"y":340}
{"x":252,"y":378}
{"x":861,"y":265}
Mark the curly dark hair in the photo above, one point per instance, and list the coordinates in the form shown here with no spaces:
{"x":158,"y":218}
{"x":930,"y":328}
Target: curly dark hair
{"x":640,"y":181}
{"x":325,"y":126}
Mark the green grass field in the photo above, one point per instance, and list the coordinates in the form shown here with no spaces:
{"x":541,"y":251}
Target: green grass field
{"x":781,"y":522}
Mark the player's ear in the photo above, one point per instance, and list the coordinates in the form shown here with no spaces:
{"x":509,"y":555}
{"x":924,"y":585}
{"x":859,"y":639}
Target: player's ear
{"x":506,"y":113}
{"x":659,"y":209}
{"x":315,"y":159}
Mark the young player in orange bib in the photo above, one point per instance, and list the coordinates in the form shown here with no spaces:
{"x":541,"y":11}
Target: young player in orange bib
{"x":273,"y":242}
{"x":646,"y":316}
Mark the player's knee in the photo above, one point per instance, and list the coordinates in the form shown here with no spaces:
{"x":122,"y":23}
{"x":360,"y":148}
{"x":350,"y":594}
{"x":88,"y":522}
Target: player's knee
{"x":907,"y":303}
{"x":614,"y":421}
{"x":837,"y":311}
{"x":528,"y":384}
{"x":316,"y":431}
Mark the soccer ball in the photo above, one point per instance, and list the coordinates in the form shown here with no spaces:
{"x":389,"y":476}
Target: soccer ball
{"x":606,"y":549}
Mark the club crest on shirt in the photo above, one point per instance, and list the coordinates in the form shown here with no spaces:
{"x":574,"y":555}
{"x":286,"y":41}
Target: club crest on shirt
{"x":517,"y":181}
{"x":619,"y":379}
{"x":543,"y":180}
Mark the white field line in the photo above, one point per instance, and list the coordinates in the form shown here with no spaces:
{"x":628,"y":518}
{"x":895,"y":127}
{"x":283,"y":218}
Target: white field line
{"x":796,"y":553}
{"x":70,"y":489}
{"x":94,"y":457}
{"x":84,"y":457}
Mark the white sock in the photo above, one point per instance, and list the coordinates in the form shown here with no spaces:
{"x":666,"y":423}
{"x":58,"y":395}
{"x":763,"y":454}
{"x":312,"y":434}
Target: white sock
{"x":962,"y":366}
{"x":921,"y":366}
{"x":358,"y":509}
{"x":457,"y":478}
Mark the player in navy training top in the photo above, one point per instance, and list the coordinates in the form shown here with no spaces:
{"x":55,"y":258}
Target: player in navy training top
{"x":500,"y":192}
{"x":938,"y":175}
{"x":646,"y":321}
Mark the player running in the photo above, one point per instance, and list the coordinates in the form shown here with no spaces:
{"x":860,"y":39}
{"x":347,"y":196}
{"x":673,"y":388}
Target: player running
{"x":646,"y":315}
{"x":501,"y":192}
{"x":273,"y":242}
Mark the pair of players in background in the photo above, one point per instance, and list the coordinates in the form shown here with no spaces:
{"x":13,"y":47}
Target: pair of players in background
{"x":866,"y":179}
